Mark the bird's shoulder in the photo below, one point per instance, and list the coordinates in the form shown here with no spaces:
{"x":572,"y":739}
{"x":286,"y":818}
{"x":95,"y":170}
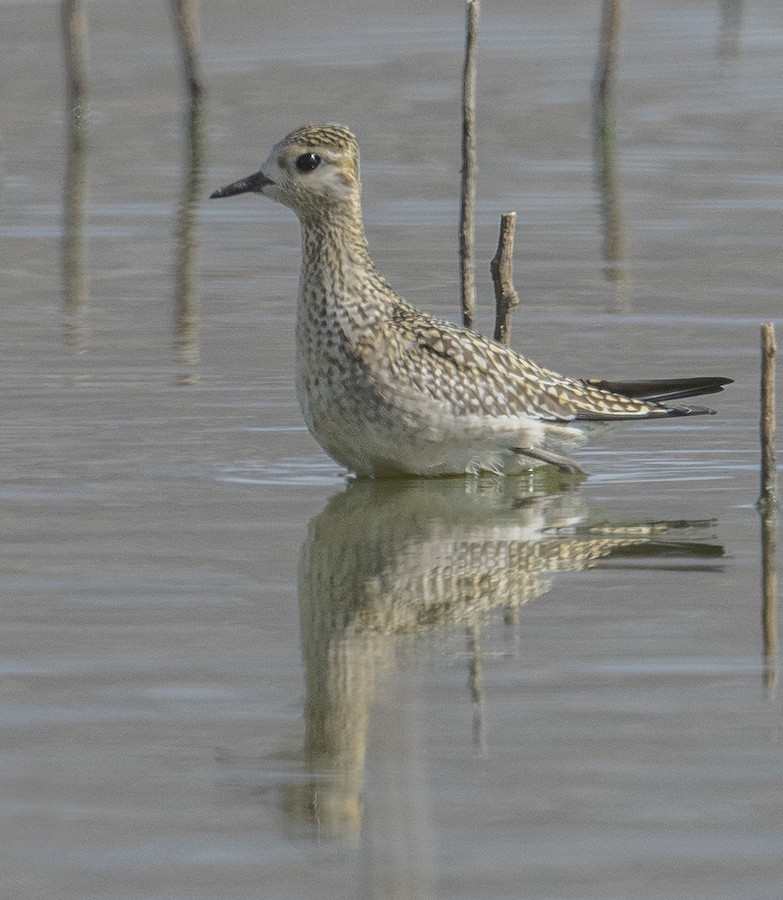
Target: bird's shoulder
{"x":411,"y":332}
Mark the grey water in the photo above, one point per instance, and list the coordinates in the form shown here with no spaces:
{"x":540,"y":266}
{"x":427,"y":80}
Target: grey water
{"x":230,"y":671}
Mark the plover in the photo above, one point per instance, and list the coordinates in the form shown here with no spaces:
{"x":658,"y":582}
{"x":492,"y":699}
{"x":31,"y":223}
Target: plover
{"x":388,"y":390}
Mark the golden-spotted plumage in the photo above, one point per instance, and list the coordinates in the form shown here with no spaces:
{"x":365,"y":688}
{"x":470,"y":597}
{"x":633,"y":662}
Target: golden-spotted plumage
{"x":386,"y":389}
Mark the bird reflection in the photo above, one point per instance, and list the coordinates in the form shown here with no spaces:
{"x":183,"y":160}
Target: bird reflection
{"x":387,"y":560}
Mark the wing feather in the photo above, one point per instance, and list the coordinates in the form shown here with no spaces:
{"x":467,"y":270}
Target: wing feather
{"x":438,"y":361}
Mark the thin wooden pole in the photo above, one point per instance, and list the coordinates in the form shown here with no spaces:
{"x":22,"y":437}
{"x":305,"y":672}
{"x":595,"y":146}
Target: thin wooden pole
{"x":468,"y":194}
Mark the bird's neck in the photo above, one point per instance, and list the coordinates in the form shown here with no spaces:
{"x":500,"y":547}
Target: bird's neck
{"x":335,"y":256}
{"x":334,"y":241}
{"x":338,"y":274}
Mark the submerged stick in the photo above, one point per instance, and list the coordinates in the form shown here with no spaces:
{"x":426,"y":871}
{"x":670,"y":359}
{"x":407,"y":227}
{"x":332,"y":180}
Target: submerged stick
{"x":502,"y":268}
{"x":769,"y":474}
{"x":468,"y":193}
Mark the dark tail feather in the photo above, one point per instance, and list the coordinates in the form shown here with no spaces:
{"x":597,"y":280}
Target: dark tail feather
{"x":656,"y":412}
{"x":662,"y":390}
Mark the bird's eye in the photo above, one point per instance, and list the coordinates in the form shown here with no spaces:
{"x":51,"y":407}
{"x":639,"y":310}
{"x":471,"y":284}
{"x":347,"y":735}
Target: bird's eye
{"x":308,"y":161}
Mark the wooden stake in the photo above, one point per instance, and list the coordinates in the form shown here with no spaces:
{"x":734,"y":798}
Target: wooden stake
{"x":502,"y":268}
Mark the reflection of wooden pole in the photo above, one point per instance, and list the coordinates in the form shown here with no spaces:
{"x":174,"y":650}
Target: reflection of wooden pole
{"x":502,"y":268}
{"x":397,"y":841}
{"x":768,"y":507}
{"x":476,"y":684}
{"x":769,"y":595}
{"x":186,"y":24}
{"x":769,"y":475}
{"x":74,"y":28}
{"x":468,"y":194}
{"x":731,"y":12}
{"x":186,"y":313}
{"x":611,"y":20}
{"x":75,"y":34}
{"x":604,"y":93}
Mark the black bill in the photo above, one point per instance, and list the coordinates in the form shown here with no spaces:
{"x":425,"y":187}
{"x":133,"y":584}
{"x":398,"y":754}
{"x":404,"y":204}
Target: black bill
{"x":253,"y":183}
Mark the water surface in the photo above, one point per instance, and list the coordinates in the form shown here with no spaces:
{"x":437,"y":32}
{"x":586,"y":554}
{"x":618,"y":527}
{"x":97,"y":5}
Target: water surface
{"x":230,"y":672}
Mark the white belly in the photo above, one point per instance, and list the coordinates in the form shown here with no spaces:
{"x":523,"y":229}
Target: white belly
{"x":377,"y":439}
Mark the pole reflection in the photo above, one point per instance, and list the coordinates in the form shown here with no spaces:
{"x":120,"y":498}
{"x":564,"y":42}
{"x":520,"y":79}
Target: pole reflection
{"x":186,"y":305}
{"x":74,"y":245}
{"x":186,"y":300}
{"x":730,"y":34}
{"x":615,"y":251}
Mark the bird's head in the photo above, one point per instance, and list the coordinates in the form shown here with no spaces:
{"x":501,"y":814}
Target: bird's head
{"x":313,"y":169}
